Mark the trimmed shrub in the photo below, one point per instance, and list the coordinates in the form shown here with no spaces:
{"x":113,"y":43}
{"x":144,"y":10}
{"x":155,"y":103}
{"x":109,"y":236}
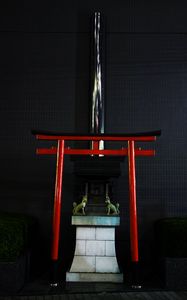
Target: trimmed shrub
{"x":16,"y":231}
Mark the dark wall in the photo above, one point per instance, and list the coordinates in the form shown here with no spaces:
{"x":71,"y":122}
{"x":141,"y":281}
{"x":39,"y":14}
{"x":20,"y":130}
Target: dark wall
{"x":45,"y":84}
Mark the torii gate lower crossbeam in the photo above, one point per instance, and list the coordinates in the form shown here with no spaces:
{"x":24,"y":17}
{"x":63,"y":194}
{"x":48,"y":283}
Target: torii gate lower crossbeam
{"x":61,"y":150}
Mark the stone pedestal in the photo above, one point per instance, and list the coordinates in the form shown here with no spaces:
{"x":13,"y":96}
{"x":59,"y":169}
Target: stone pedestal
{"x":95,"y":255}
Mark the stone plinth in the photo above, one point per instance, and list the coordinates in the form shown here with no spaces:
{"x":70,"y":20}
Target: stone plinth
{"x":95,"y":254}
{"x":95,"y":220}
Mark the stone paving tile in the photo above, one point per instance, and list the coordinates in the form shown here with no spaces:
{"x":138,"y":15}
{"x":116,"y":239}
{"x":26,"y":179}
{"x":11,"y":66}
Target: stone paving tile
{"x":156,"y":295}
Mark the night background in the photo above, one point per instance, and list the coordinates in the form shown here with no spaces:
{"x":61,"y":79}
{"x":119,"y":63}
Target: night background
{"x":45,"y":80}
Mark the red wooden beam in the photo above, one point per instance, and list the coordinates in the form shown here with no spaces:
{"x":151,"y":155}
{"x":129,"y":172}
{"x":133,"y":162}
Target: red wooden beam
{"x":95,"y":138}
{"x":95,"y":145}
{"x":52,"y":150}
{"x":133,"y":210}
{"x":139,"y":152}
{"x":119,"y":152}
{"x":57,"y":201}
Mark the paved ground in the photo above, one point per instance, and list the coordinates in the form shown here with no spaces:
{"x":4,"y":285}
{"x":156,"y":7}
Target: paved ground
{"x":40,"y":289}
{"x":93,"y":291}
{"x":156,"y":295}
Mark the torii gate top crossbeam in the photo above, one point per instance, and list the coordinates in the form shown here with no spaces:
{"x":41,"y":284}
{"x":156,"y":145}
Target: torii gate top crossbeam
{"x":138,"y":137}
{"x":141,"y":136}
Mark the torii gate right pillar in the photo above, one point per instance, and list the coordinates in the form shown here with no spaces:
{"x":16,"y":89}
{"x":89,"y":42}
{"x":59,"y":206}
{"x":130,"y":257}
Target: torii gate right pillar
{"x":133,"y":213}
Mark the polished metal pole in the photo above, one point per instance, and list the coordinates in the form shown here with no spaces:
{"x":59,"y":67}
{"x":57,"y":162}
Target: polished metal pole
{"x":97,"y":89}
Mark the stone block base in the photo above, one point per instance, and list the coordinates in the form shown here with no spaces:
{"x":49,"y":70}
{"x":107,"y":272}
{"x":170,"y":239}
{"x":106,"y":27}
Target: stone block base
{"x":94,"y":277}
{"x":95,"y":253}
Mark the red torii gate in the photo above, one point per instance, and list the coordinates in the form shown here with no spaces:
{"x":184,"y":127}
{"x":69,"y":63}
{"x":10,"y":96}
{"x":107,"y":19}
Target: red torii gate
{"x":130,"y":151}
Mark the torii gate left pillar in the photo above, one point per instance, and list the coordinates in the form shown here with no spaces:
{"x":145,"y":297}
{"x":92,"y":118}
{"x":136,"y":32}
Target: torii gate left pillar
{"x":61,"y":150}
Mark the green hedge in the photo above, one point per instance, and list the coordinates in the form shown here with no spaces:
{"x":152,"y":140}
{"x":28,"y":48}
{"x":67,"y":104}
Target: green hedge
{"x":171,"y":237}
{"x":16,"y":233}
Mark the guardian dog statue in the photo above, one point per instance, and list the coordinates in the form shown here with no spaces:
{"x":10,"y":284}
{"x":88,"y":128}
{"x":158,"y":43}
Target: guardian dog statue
{"x":79,"y":209}
{"x":111,"y":208}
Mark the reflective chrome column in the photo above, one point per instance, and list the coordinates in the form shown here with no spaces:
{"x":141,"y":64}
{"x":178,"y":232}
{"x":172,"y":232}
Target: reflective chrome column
{"x":97,"y":81}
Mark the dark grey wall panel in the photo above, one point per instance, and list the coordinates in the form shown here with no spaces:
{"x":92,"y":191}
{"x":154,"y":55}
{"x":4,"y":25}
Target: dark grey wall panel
{"x":73,"y":16}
